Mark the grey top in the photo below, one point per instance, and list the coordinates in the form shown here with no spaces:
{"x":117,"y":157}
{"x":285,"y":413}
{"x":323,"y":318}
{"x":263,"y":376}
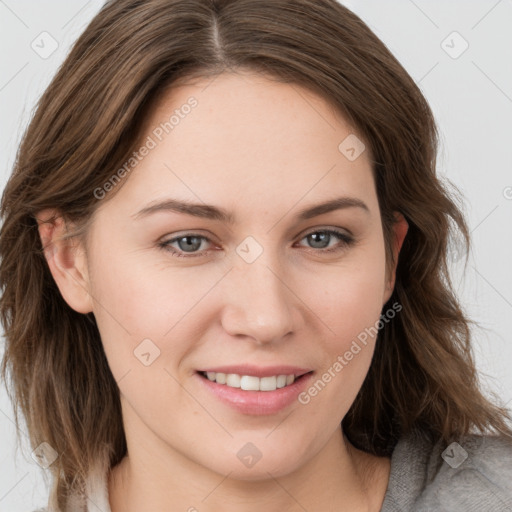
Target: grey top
{"x":471,"y":475}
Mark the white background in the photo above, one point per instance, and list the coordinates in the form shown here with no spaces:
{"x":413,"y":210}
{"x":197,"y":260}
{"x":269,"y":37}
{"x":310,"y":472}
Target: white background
{"x":471,"y":97}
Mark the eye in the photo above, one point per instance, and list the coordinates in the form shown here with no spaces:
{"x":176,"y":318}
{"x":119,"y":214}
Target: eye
{"x":188,"y":245}
{"x":321,"y":238}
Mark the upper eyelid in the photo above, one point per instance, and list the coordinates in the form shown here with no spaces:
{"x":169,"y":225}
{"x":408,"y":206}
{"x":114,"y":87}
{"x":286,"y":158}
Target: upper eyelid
{"x":302,"y":235}
{"x":332,"y":228}
{"x":306,"y":231}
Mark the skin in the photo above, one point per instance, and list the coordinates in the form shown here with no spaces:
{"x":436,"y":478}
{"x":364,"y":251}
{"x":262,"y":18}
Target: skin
{"x":262,"y":150}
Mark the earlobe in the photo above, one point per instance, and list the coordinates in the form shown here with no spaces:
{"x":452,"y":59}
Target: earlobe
{"x":66,"y":261}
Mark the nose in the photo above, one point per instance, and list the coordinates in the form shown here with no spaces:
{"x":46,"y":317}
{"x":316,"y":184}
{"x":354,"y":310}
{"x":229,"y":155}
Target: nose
{"x":258,"y":302}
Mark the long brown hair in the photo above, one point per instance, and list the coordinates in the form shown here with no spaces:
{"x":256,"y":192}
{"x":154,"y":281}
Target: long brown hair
{"x":87,"y":124}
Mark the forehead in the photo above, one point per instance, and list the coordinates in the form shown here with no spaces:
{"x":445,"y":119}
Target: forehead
{"x":244,"y":139}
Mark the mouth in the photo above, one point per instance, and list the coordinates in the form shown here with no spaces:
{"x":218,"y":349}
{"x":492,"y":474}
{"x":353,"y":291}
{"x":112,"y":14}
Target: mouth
{"x":252,"y":389}
{"x":255,"y":391}
{"x":252,"y":382}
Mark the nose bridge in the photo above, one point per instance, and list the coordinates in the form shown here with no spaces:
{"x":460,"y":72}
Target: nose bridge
{"x":260,"y":305}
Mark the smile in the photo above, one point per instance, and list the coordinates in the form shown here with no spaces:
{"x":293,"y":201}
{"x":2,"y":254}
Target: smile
{"x":250,"y":382}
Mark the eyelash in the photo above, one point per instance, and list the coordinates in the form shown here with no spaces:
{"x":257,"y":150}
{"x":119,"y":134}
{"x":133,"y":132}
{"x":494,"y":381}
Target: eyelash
{"x":346,"y":241}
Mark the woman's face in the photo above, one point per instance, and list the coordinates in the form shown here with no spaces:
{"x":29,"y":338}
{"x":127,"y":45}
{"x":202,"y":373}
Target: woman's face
{"x":180,"y":291}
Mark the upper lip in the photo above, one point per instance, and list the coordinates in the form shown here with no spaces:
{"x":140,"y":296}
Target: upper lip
{"x":259,"y":371}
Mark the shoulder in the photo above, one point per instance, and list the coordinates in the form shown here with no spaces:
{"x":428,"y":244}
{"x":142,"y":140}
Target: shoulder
{"x":473,"y":473}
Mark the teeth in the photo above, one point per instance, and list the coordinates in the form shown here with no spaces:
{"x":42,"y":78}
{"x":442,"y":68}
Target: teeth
{"x":251,"y":383}
{"x":281,"y":381}
{"x":233,"y":380}
{"x":268,"y":383}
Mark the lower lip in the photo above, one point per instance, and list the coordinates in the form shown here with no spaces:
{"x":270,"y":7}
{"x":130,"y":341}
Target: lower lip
{"x":257,"y":402}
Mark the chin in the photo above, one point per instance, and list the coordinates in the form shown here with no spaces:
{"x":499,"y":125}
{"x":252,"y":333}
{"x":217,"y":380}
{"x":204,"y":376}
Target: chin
{"x":249,"y":463}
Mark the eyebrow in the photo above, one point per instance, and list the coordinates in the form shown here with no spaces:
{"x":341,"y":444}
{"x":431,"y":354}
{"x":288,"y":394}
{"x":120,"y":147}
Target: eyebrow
{"x":207,"y":211}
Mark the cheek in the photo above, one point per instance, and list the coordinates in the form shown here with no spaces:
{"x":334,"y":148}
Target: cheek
{"x":350,"y":298}
{"x":137,"y":301}
{"x":349,"y":306}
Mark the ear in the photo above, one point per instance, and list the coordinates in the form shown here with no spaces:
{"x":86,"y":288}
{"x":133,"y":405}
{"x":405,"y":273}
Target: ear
{"x":66,"y":260}
{"x":400,"y":228}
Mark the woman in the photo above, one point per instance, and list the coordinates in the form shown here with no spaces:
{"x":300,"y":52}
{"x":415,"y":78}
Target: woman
{"x":224,"y":273}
